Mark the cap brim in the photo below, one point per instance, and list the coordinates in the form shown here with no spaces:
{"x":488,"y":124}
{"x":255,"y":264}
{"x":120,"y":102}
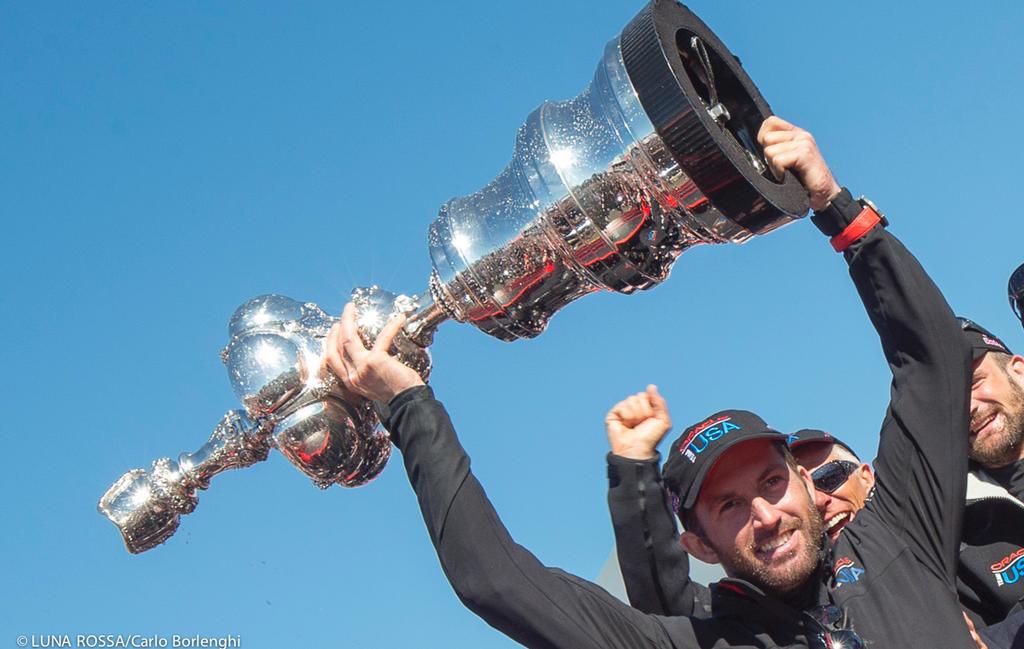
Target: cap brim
{"x":702,"y":473}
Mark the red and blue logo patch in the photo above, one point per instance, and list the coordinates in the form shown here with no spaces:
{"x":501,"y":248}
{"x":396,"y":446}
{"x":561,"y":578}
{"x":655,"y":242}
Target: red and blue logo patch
{"x":1009,"y":569}
{"x":845,"y":571}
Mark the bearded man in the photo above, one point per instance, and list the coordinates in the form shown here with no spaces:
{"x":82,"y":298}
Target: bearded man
{"x":991,"y":575}
{"x":655,"y":567}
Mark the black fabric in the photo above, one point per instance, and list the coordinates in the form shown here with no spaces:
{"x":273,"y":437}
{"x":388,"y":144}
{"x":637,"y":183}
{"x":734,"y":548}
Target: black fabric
{"x":840,"y":213}
{"x":891,"y":570}
{"x":1011,"y":477}
{"x":1008,"y":634}
{"x":991,"y":571}
{"x":657,"y":577}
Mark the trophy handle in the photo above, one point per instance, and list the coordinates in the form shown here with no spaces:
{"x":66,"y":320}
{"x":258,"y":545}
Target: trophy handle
{"x":146,"y":505}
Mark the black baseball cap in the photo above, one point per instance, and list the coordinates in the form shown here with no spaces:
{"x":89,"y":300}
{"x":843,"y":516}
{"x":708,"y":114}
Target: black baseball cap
{"x":815,"y":436}
{"x":691,"y":457}
{"x":981,"y":340}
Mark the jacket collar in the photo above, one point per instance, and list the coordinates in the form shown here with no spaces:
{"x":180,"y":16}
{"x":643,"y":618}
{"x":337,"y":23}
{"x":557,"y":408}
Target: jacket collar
{"x":739,"y":599}
{"x":982,"y":485}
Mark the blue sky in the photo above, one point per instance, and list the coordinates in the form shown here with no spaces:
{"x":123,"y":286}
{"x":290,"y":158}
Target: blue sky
{"x":162,"y":162}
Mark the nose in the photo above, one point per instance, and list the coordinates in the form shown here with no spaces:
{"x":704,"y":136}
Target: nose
{"x":763,"y":513}
{"x":822,"y":501}
{"x":979,"y":397}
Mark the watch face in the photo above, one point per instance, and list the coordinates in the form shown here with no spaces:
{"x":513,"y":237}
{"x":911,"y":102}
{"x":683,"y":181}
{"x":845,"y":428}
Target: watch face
{"x":1015,"y":292}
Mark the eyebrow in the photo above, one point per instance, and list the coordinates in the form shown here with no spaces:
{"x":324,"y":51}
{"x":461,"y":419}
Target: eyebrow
{"x":716,"y":500}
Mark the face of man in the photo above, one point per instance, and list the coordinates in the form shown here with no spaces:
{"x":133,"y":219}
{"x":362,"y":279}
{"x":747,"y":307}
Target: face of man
{"x":840,"y":507}
{"x":997,"y":410}
{"x":757,"y":518}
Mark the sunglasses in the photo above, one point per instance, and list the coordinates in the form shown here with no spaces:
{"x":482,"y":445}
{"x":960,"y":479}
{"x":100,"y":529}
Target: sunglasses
{"x":1015,"y":291}
{"x":829,"y":633}
{"x":830,"y":476}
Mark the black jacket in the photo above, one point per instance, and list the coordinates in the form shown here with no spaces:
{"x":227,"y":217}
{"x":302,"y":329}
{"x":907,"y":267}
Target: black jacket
{"x":991,"y":572}
{"x":901,"y":548}
{"x":655,"y":569}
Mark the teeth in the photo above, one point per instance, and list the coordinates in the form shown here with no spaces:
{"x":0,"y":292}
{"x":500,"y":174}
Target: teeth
{"x":835,"y":520}
{"x":975,"y":429}
{"x":774,"y":543}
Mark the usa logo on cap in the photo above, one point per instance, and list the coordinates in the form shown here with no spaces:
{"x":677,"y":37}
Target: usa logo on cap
{"x":703,"y":434}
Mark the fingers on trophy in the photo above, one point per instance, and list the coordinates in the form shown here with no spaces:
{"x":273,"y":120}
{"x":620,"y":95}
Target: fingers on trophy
{"x":604,"y":192}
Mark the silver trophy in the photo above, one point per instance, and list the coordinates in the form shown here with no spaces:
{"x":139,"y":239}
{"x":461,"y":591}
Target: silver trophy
{"x":604,"y":192}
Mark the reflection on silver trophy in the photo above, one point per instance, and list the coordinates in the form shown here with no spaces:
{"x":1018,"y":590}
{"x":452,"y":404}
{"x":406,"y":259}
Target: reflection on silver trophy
{"x":604,"y":192}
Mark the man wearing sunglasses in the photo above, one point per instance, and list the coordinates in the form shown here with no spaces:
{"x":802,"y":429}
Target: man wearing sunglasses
{"x":842,"y":483}
{"x":745,"y":500}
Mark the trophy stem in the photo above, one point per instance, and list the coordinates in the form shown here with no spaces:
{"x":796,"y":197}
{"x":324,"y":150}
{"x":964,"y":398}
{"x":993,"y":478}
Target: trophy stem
{"x":146,"y":505}
{"x":422,"y":324}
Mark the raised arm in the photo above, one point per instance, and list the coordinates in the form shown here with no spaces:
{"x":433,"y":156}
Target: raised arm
{"x":922,"y":458}
{"x":493,"y":576}
{"x":655,"y":568}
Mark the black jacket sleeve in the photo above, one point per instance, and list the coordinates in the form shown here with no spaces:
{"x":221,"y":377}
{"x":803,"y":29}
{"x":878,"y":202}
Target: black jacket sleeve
{"x":921,"y":467}
{"x":493,"y":576}
{"x":655,"y":568}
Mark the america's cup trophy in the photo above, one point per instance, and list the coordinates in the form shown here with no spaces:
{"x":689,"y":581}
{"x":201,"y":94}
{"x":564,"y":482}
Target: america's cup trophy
{"x":604,"y":192}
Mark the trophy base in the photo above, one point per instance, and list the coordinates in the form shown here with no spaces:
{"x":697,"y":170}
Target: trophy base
{"x":704,"y":106}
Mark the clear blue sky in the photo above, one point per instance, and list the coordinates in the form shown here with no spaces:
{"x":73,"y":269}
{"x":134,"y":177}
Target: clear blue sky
{"x":162,"y":162}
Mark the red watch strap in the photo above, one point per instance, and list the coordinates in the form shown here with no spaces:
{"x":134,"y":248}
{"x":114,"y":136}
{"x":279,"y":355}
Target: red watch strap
{"x":867,"y":219}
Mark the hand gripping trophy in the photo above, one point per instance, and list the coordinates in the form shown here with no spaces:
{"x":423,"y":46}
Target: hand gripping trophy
{"x":604,"y":192}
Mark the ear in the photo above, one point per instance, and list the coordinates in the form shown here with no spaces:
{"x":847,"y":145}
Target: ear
{"x":867,"y":475}
{"x":696,"y":547}
{"x":1015,"y":368}
{"x":805,"y":475}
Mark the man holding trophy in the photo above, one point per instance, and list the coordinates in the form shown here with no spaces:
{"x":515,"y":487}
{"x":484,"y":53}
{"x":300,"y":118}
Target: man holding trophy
{"x":749,"y":505}
{"x":671,"y":146}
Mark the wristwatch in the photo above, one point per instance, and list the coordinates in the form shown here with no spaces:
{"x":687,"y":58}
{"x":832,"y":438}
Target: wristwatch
{"x":847,"y":219}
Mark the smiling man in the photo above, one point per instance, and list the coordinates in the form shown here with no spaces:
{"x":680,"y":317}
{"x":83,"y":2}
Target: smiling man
{"x":654,"y":564}
{"x":755,"y":514}
{"x":842,"y":483}
{"x":991,"y":575}
{"x":997,"y":402}
{"x":734,"y":476}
